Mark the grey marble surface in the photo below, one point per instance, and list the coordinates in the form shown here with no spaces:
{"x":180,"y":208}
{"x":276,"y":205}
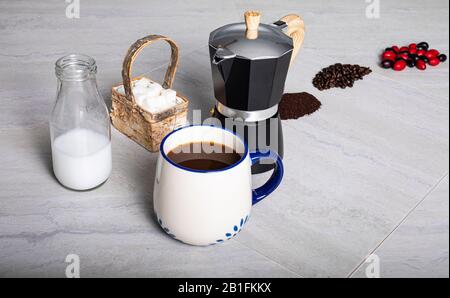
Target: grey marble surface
{"x":419,"y":246}
{"x":367,"y":174}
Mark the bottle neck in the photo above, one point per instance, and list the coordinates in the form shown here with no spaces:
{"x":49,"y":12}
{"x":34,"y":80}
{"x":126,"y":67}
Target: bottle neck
{"x":75,"y":68}
{"x":86,"y":85}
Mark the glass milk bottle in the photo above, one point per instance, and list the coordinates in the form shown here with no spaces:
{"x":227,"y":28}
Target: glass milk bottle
{"x":79,"y":126}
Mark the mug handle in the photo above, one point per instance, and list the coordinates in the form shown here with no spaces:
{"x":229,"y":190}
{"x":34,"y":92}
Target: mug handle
{"x":274,"y":181}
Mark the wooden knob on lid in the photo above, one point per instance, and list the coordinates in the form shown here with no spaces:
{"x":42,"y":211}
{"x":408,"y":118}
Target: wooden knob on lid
{"x":252,"y":20}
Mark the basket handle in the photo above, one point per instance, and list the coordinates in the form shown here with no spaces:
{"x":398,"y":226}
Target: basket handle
{"x":132,"y":53}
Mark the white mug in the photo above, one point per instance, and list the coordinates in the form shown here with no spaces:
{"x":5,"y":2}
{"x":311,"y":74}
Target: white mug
{"x":201,"y":207}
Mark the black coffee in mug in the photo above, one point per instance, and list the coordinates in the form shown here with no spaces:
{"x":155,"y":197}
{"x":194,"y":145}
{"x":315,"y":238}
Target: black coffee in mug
{"x":204,"y":156}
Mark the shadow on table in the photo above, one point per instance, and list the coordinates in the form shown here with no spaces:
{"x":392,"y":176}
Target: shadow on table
{"x":40,"y":138}
{"x":147,"y":186}
{"x":134,"y":170}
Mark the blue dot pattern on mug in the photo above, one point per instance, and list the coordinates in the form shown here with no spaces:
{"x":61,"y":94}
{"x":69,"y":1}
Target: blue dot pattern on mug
{"x":228,"y":236}
{"x":166,"y":229}
{"x":236,"y":230}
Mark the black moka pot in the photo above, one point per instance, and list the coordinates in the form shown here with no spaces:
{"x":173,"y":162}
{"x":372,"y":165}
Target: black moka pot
{"x":249,"y":63}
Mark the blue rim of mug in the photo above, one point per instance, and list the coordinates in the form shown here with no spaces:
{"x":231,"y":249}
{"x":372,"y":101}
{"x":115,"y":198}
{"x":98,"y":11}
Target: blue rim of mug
{"x":161,"y":149}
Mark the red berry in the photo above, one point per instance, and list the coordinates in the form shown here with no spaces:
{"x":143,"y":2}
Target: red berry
{"x":421,"y":53}
{"x":396,"y":49}
{"x":404,"y":56}
{"x":421,"y":64}
{"x":400,"y":65}
{"x":432,"y":54}
{"x":434,"y":61}
{"x":413,"y":51}
{"x":404,"y":49}
{"x":389,"y":55}
{"x":412,"y":46}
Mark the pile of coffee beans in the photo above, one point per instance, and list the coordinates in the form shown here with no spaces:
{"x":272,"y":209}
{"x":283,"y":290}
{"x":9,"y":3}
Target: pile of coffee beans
{"x":340,"y":76}
{"x":415,"y":55}
{"x":296,"y":105}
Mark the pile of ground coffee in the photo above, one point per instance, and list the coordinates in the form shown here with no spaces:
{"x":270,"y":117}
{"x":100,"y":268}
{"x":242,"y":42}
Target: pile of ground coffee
{"x":296,"y":105}
{"x":340,"y":76}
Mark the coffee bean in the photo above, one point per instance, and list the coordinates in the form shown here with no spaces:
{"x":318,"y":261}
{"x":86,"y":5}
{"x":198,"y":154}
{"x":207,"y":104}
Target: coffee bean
{"x":341,"y":75}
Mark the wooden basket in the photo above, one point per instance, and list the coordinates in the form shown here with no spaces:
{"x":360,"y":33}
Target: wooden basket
{"x":145,"y":128}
